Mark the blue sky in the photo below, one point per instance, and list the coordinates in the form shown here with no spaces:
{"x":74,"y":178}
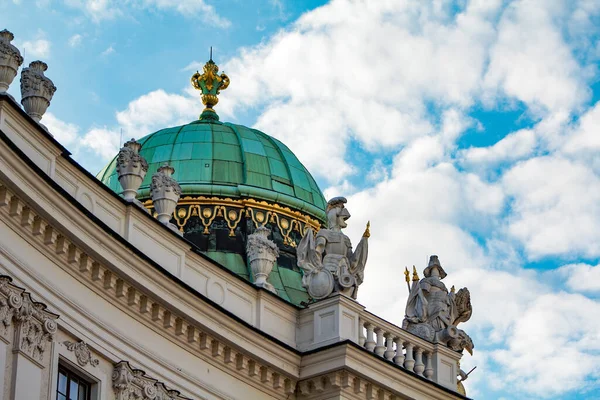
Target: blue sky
{"x":467,"y":129}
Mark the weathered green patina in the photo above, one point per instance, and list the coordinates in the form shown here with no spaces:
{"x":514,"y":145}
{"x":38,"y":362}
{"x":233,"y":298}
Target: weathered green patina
{"x":223,"y":159}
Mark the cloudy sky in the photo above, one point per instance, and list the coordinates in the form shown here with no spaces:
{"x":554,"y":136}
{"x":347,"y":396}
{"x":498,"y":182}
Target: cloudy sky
{"x":467,"y":129}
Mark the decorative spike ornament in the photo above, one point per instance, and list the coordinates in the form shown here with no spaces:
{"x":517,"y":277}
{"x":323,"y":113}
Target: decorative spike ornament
{"x":415,"y":274}
{"x":367,"y":233}
{"x":210,"y":84}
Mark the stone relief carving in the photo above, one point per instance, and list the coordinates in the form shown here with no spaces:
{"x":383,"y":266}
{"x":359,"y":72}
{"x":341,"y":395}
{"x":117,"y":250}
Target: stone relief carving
{"x":36,"y":90}
{"x":433,"y":312}
{"x":131,"y":168}
{"x":133,"y":384}
{"x":35,"y":325}
{"x":10,"y":302}
{"x":82,"y":353}
{"x":327,"y":260}
{"x":262,"y":254}
{"x":165,"y":193}
{"x":10,"y":60}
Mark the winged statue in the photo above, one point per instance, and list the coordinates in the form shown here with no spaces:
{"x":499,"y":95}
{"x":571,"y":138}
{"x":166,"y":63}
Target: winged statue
{"x":327,"y":260}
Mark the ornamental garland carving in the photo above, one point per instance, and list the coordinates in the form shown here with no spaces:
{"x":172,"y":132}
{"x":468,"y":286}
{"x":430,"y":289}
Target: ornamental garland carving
{"x":82,"y":353}
{"x":133,"y":384}
{"x":36,"y":326}
{"x":129,"y":157}
{"x":9,"y":54}
{"x":162,"y":181}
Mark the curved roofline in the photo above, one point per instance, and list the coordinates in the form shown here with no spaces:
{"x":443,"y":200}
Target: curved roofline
{"x":288,"y":194}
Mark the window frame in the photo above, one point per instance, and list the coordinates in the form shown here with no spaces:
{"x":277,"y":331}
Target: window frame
{"x":72,"y":374}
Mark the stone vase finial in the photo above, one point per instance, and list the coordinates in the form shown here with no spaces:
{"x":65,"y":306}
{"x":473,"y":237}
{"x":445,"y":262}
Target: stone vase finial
{"x":165,"y":193}
{"x":262,"y":254}
{"x":10,"y":60}
{"x":36,"y":90}
{"x":131,"y":168}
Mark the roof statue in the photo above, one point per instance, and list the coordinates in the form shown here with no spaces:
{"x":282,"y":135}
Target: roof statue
{"x":10,"y":60}
{"x":327,"y":260}
{"x":433,"y":313}
{"x":210,"y":83}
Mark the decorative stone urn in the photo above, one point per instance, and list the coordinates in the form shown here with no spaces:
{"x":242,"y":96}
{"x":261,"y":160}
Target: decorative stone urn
{"x":262,"y":254}
{"x":165,"y":194}
{"x":36,"y":90}
{"x":132,"y":169}
{"x":10,"y":60}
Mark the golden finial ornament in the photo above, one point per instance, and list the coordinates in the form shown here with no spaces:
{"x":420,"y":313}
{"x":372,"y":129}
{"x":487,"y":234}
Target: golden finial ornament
{"x":452,"y":289}
{"x":406,"y":274}
{"x":367,"y":233}
{"x":210,"y":83}
{"x":415,"y":274}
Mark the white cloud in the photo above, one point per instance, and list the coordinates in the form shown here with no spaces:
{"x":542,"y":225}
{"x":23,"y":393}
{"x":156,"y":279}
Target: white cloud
{"x":75,"y":40}
{"x":39,"y":48}
{"x":64,"y":132}
{"x":581,"y":277}
{"x":109,"y":50}
{"x":99,"y":10}
{"x":555,"y":207}
{"x":104,"y":141}
{"x":532,"y":63}
{"x":157,"y":110}
{"x":188,"y":8}
{"x":554,"y":346}
{"x":512,"y":147}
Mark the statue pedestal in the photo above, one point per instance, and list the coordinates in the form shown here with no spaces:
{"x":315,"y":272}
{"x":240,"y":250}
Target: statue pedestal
{"x":445,"y":366}
{"x":329,"y":321}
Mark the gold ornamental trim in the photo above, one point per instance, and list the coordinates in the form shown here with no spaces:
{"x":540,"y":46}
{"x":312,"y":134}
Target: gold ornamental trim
{"x":233,"y":210}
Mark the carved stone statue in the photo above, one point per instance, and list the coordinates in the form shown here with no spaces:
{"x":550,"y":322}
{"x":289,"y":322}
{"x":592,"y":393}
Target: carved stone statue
{"x":327,"y":260}
{"x":433,"y":313}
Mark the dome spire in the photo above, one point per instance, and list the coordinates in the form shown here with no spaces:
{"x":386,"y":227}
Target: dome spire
{"x":210,"y":83}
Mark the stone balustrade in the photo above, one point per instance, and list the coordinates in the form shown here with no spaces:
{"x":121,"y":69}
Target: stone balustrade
{"x":435,"y":362}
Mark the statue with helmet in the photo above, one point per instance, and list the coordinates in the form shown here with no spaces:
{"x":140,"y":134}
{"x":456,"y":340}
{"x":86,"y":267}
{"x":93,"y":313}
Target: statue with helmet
{"x":433,"y":312}
{"x":327,"y":260}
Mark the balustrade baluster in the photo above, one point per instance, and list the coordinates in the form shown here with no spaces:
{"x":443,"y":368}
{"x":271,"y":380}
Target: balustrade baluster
{"x":370,"y":343}
{"x":428,"y":365}
{"x":399,"y":357}
{"x":361,"y":332}
{"x":380,"y":348}
{"x":409,"y":361}
{"x":419,"y":366}
{"x":389,"y":343}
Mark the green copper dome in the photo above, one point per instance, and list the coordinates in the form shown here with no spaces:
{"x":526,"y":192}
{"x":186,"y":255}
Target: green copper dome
{"x":212,"y":158}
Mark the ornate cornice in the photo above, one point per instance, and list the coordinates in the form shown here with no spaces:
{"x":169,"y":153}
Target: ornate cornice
{"x":134,"y":384}
{"x":146,"y":307}
{"x":82,"y":353}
